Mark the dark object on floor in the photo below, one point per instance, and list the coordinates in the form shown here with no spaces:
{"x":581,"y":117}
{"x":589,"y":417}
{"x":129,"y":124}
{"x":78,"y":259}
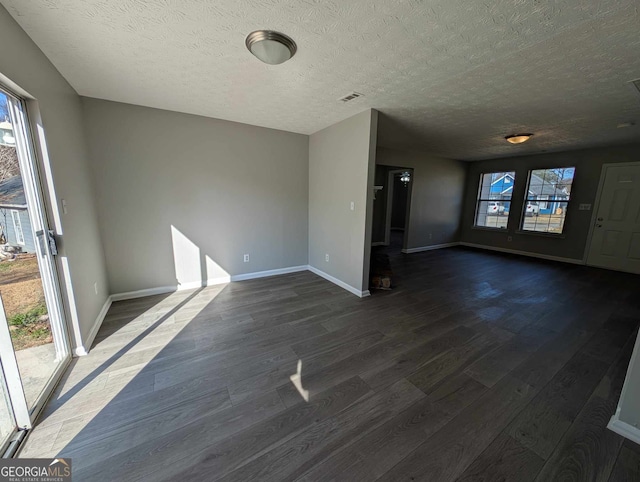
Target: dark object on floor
{"x":380,"y":271}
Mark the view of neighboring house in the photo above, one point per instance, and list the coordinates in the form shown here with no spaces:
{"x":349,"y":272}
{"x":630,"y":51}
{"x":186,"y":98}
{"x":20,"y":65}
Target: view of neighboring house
{"x":14,"y":217}
{"x":549,"y":195}
{"x":6,"y":134}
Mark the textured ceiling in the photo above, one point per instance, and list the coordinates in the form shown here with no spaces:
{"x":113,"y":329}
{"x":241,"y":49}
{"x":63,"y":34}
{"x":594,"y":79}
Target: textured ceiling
{"x":450,"y":76}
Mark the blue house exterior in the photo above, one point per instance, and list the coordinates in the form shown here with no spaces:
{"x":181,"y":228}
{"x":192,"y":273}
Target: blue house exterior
{"x":15,"y":224}
{"x":549,"y":197}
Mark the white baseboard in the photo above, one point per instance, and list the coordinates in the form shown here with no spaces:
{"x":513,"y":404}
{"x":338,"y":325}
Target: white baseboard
{"x":623,"y":428}
{"x":429,"y":248}
{"x":86,"y":346}
{"x":524,"y":253}
{"x":130,"y":295}
{"x":338,"y":282}
{"x":271,"y":272}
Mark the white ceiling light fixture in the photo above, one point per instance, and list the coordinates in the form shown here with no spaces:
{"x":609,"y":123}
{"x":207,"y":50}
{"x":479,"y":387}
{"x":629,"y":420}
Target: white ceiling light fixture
{"x":405,"y":177}
{"x":518,"y":138}
{"x":271,"y":47}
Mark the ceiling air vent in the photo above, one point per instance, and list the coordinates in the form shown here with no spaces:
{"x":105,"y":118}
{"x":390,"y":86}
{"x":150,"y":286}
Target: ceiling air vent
{"x":351,"y":96}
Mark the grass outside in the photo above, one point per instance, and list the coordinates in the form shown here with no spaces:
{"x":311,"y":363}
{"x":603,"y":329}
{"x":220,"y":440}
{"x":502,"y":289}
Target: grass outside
{"x":23,"y":298}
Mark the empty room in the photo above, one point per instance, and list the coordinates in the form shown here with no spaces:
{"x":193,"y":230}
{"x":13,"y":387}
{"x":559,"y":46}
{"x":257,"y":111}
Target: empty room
{"x":308,"y":240}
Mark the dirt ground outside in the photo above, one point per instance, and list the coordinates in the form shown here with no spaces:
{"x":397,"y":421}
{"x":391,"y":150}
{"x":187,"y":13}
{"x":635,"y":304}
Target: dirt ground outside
{"x":24,"y":304}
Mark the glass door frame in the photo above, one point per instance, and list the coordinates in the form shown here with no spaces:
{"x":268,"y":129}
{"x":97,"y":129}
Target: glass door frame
{"x":36,"y":194}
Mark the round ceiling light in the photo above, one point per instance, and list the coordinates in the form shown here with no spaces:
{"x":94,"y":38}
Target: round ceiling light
{"x":271,"y":47}
{"x":518,"y":138}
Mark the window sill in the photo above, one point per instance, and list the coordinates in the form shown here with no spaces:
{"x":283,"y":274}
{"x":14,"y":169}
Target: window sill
{"x":540,"y":233}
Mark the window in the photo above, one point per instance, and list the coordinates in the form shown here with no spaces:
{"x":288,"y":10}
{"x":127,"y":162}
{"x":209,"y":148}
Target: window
{"x":548,"y":195}
{"x":494,"y":199}
{"x":17,"y":227}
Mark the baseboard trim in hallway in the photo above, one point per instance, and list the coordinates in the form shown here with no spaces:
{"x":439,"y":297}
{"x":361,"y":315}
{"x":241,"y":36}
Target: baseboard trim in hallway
{"x":524,"y":253}
{"x":622,"y":428}
{"x":83,"y":349}
{"x":340,"y":283}
{"x":429,"y":248}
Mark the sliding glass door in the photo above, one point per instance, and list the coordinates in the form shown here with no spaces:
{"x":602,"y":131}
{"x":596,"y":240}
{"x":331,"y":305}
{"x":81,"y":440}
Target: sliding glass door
{"x":34,"y":348}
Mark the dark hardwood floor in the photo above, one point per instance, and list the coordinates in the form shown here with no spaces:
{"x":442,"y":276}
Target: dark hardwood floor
{"x":477,"y":366}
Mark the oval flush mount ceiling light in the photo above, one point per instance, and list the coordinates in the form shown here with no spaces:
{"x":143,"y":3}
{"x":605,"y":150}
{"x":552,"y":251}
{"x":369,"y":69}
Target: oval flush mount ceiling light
{"x":518,"y":138}
{"x":271,"y":47}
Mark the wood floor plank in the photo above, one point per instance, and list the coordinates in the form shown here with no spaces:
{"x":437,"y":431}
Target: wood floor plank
{"x":412,"y":360}
{"x":494,"y":366}
{"x":379,"y":451}
{"x":543,"y":423}
{"x":233,"y":452}
{"x":380,"y":354}
{"x":460,"y":441}
{"x":588,"y":450}
{"x":627,"y":466}
{"x":429,"y":376}
{"x":281,"y":375}
{"x":504,"y":459}
{"x":322,"y":439}
{"x":150,"y":451}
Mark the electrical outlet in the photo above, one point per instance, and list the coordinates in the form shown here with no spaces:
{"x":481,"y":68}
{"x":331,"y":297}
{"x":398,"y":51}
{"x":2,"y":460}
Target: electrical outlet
{"x":326,"y":258}
{"x":246,"y":258}
{"x":95,"y":287}
{"x":353,"y":206}
{"x":509,"y":238}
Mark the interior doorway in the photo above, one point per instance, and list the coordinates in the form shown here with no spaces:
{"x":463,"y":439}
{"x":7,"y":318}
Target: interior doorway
{"x":615,"y":232}
{"x":397,"y":218}
{"x":34,"y":347}
{"x":391,"y":208}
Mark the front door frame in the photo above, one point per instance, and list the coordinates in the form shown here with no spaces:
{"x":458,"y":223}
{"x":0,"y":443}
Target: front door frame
{"x":596,"y":207}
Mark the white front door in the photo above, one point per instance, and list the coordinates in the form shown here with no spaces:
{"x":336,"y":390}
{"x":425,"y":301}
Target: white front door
{"x":615,"y":242}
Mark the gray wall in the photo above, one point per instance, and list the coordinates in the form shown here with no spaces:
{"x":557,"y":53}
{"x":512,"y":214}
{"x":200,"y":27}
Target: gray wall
{"x":572,"y":245}
{"x":181,"y":198}
{"x":341,"y":170}
{"x":436,"y":196}
{"x":60,"y":114}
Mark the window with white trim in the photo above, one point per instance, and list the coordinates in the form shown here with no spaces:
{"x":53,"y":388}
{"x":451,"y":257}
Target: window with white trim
{"x":547,"y":199}
{"x":17,"y":227}
{"x":494,"y":199}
